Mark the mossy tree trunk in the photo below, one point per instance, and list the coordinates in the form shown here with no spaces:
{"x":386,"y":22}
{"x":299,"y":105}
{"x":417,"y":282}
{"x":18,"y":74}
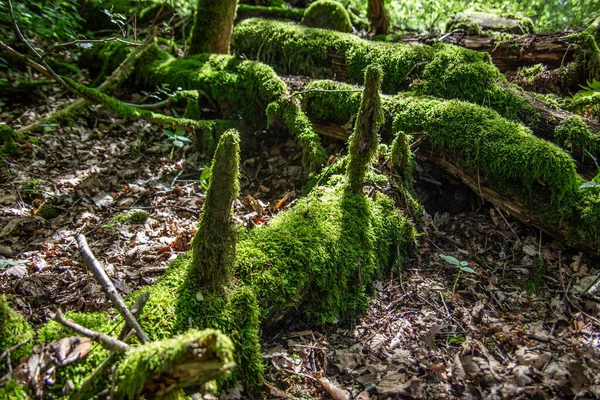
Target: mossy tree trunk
{"x":214,"y":243}
{"x":213,"y":26}
{"x":378,"y":17}
{"x":364,"y":141}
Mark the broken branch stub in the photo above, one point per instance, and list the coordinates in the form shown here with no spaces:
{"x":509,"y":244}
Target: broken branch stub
{"x":214,"y":243}
{"x":364,"y":140}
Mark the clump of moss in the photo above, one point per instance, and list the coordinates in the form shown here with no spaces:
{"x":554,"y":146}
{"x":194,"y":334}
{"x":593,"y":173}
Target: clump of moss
{"x":214,"y":243}
{"x":134,"y":217}
{"x":440,"y":70}
{"x":327,"y":14}
{"x":13,"y":390}
{"x":478,"y":23}
{"x":13,"y":330}
{"x":8,"y":138}
{"x":533,"y":71}
{"x":365,"y":139}
{"x":585,"y":103}
{"x":574,"y":135}
{"x":212,"y":359}
{"x":402,"y":159}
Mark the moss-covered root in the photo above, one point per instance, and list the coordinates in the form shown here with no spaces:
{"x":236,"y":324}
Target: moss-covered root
{"x":213,"y":25}
{"x":364,"y":140}
{"x":193,"y":359}
{"x":287,"y":111}
{"x":327,"y":14}
{"x":214,"y":244}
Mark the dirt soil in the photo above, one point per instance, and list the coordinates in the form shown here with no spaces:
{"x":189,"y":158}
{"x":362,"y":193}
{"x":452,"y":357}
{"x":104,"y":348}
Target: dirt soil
{"x":514,"y":327}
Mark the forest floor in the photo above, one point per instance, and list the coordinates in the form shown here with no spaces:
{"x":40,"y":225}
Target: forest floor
{"x":515,"y":329}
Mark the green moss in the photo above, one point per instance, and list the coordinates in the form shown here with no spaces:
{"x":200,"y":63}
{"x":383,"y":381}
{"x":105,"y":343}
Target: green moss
{"x":131,"y":217}
{"x":573,"y":134}
{"x":586,"y":103}
{"x":13,"y":391}
{"x":214,"y":243}
{"x":8,"y":138}
{"x":102,"y":59}
{"x":478,"y":23}
{"x":441,"y":70}
{"x":288,"y":112}
{"x":327,"y":14}
{"x":402,"y":159}
{"x":13,"y":330}
{"x":213,"y":359}
{"x":365,"y":139}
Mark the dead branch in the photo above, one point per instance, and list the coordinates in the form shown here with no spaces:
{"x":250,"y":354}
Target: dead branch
{"x":94,"y":266}
{"x":106,"y":341}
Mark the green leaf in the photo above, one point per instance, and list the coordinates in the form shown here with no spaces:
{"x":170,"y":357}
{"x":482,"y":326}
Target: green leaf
{"x":450,"y":260}
{"x":205,"y":177}
{"x":177,"y":143}
{"x":467,"y":269}
{"x":184,"y":139}
{"x":6,"y":263}
{"x":464,"y":263}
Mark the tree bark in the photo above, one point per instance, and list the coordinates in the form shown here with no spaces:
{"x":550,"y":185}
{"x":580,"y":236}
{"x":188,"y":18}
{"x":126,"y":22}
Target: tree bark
{"x":378,"y":17}
{"x":213,"y":26}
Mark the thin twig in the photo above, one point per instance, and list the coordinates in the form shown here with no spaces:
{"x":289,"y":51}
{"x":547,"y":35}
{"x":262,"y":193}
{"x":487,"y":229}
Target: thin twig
{"x":89,"y":41}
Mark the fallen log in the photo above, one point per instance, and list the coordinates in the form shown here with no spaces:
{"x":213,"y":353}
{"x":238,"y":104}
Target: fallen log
{"x":500,"y":160}
{"x":440,"y":70}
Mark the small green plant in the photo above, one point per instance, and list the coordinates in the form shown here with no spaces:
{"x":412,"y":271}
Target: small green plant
{"x":456,"y":340}
{"x":593,"y":86}
{"x":536,"y":280}
{"x":205,"y":177}
{"x":463,"y":266}
{"x":134,"y":217}
{"x":32,"y":188}
{"x":177,"y":138}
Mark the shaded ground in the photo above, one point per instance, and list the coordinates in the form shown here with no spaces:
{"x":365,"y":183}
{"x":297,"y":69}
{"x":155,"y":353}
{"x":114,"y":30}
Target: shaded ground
{"x":515,"y":328}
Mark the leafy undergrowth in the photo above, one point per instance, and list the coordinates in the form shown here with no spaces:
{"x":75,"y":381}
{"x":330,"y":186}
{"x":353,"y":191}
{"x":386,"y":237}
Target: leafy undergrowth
{"x":515,"y":327}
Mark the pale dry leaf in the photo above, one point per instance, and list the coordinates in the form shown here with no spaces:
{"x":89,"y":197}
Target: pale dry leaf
{"x":334,"y":390}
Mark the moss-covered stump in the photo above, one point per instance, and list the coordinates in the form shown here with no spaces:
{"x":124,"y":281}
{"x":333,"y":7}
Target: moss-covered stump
{"x":327,"y":14}
{"x":195,"y":358}
{"x":441,"y":70}
{"x":534,"y":179}
{"x":214,"y":243}
{"x":364,"y":140}
{"x":315,"y":260}
{"x":477,"y":22}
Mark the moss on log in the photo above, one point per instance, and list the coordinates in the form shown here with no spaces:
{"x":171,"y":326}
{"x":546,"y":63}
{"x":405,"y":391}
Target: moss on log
{"x":441,"y":70}
{"x":161,"y":368}
{"x":534,"y":179}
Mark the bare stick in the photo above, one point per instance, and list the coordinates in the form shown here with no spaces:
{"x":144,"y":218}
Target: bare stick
{"x":136,"y":310}
{"x":100,"y":275}
{"x":108,"y":342}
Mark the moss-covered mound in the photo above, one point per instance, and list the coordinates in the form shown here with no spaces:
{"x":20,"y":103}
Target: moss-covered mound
{"x":315,"y":260}
{"x":441,"y":70}
{"x":327,"y":14}
{"x":503,"y":153}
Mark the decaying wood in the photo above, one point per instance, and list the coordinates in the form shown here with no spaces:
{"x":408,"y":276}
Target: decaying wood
{"x":94,"y":266}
